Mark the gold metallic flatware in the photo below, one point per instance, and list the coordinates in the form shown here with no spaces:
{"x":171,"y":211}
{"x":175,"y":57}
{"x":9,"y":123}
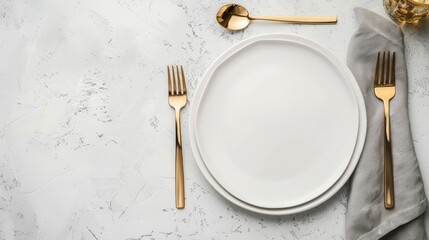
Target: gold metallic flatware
{"x":236,"y":17}
{"x":384,"y":89}
{"x":177,"y":99}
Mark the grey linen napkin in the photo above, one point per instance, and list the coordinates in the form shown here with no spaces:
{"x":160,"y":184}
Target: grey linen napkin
{"x":366,"y":217}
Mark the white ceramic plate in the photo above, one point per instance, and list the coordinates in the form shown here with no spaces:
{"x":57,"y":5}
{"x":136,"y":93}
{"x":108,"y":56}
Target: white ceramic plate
{"x":277,"y":124}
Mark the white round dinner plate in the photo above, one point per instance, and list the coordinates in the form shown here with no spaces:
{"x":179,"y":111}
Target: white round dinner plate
{"x":277,"y":124}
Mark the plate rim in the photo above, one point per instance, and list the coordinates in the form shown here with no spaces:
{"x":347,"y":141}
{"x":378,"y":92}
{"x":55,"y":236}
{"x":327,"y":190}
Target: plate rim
{"x":361,"y":133}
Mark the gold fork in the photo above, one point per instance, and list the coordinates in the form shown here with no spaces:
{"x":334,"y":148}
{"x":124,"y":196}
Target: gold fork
{"x":384,"y":89}
{"x":177,"y":99}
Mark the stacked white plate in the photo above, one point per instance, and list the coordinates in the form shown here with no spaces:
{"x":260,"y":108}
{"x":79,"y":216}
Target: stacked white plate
{"x":277,"y":124}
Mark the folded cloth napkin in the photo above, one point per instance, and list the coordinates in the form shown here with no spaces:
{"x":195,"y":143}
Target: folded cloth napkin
{"x":366,"y":217}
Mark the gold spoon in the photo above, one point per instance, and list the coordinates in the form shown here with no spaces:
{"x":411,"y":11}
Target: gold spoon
{"x":236,"y":17}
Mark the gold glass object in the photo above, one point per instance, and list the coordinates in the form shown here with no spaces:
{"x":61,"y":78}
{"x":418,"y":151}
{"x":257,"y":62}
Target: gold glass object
{"x":235,"y":17}
{"x":384,"y":89}
{"x":177,"y":99}
{"x":407,"y":11}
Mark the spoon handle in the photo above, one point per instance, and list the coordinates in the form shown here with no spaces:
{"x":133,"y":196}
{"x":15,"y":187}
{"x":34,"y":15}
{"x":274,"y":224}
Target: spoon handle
{"x":298,"y":19}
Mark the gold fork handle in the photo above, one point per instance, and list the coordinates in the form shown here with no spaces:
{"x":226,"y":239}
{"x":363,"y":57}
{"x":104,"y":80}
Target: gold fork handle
{"x":180,"y":183}
{"x":389,"y":199}
{"x":298,"y":19}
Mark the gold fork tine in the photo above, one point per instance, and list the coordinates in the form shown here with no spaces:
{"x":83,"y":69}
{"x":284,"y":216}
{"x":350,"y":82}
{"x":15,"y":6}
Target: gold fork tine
{"x":383,"y":79}
{"x":175,"y":88}
{"x":170,"y":89}
{"x":377,"y":73}
{"x":388,"y":68}
{"x":183,"y":80}
{"x":392,"y":74}
{"x":179,"y":81}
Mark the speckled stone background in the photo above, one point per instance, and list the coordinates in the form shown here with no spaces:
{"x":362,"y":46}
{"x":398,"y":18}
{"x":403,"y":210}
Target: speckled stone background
{"x":87,"y":135}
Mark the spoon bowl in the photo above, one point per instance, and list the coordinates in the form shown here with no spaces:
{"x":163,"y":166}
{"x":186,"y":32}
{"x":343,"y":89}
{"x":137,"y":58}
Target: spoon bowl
{"x":233,"y":17}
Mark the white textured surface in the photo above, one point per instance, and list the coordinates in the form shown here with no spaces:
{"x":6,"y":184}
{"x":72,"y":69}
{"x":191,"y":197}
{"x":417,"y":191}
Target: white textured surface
{"x":87,"y":136}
